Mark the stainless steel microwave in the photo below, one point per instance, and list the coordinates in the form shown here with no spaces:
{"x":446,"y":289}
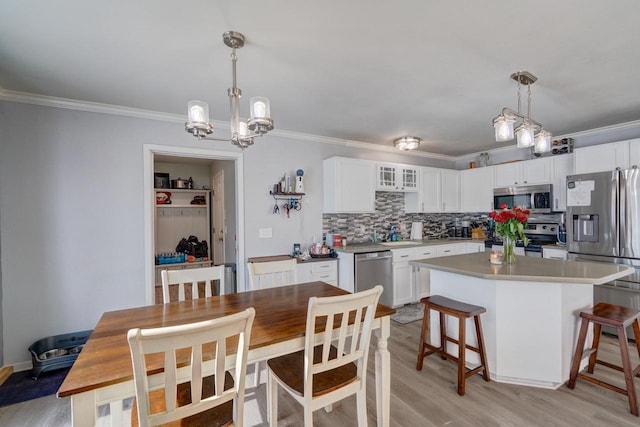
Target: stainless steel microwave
{"x":536,"y":198}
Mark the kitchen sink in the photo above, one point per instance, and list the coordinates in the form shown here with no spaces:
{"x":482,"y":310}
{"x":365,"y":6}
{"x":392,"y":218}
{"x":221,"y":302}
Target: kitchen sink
{"x":398,"y":243}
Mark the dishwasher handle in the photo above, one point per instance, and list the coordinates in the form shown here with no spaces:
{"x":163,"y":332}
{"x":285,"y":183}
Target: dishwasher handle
{"x":373,"y":256}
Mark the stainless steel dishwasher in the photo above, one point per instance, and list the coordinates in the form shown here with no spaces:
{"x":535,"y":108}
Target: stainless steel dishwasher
{"x":375,"y":268}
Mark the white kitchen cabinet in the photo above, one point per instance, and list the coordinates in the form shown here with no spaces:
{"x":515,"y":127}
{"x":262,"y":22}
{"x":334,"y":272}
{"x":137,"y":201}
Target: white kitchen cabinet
{"x":562,"y":166}
{"x":604,"y":157}
{"x":634,"y":153}
{"x":349,"y":185}
{"x":420,"y":276}
{"x":473,"y":247}
{"x":323,"y":271}
{"x":527,"y":172}
{"x":450,"y":190}
{"x":394,"y":177}
{"x":477,"y":189}
{"x":551,"y":252}
{"x":403,"y":283}
{"x":428,"y":198}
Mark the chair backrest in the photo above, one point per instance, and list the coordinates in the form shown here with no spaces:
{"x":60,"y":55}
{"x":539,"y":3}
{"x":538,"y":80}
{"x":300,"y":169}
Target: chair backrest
{"x":191,"y":277}
{"x":354,"y":314}
{"x":263,"y":275}
{"x":168,"y":340}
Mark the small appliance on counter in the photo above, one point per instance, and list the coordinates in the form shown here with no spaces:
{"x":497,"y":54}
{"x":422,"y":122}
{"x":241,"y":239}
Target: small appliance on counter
{"x":416,"y":230}
{"x":466,"y":229}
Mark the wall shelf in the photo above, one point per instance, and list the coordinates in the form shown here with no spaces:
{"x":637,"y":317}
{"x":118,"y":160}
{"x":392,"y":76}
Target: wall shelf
{"x":296,"y":196}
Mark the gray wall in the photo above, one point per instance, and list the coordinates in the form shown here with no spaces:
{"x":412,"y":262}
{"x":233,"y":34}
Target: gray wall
{"x":71,"y":204}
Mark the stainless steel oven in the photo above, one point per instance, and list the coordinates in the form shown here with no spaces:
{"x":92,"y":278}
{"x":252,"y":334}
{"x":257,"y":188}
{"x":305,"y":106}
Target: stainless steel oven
{"x":536,"y":198}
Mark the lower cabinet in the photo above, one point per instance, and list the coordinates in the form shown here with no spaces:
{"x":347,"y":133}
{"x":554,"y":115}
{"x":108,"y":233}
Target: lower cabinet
{"x":554,"y":253}
{"x":322,"y":271}
{"x":403,"y":292}
{"x":410,"y":283}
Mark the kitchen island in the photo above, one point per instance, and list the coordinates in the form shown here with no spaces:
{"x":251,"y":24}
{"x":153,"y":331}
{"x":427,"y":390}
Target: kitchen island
{"x":531,"y":324}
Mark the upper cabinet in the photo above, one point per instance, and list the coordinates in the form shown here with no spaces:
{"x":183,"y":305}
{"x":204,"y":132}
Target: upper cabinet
{"x":439,"y":191}
{"x":450,"y":190}
{"x":528,"y":172}
{"x":476,"y":187}
{"x":349,"y":185}
{"x":562,"y":166}
{"x":607,"y":157}
{"x":393,"y":177}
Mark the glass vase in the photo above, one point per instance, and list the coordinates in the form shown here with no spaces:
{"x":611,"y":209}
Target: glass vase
{"x":509,"y":250}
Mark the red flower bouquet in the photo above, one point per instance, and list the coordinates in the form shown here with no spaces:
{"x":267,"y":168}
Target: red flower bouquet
{"x":510,"y":225}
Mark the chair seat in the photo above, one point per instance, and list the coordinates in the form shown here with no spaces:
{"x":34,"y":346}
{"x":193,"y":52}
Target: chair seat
{"x":611,"y":315}
{"x":453,"y":307}
{"x":290,"y":369}
{"x":215,"y":417}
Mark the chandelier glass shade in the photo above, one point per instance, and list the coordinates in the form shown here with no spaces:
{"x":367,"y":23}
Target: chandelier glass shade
{"x":407,"y":143}
{"x":242,"y":131}
{"x":529,"y":133}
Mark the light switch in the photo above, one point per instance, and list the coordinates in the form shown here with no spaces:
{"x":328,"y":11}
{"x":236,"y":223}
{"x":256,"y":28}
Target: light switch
{"x":265,"y":233}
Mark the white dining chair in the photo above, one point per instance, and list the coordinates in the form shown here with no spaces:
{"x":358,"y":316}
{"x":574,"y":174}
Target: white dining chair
{"x":336,"y":367}
{"x":190,"y":277}
{"x":270,"y":274}
{"x":196,"y":392}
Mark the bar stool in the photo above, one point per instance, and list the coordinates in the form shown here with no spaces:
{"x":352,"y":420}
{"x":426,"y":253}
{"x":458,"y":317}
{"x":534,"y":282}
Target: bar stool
{"x":462,"y":311}
{"x":619,"y":318}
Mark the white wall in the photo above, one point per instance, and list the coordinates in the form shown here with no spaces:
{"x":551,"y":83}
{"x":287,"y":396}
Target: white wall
{"x":72,"y":221}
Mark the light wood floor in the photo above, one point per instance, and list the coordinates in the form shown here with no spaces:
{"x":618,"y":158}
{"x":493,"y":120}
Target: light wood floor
{"x":426,"y":398}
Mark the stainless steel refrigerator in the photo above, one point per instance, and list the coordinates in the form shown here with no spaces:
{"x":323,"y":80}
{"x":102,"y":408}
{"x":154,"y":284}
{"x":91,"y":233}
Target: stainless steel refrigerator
{"x":603,"y":225}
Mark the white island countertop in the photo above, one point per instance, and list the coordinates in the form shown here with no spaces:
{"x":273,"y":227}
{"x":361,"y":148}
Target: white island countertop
{"x":529,"y":269}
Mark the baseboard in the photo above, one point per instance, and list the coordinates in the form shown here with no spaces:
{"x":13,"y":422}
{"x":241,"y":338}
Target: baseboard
{"x":5,"y":373}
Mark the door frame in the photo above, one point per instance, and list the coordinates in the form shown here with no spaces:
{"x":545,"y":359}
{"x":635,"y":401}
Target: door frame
{"x":149,"y":151}
{"x":219,"y":199}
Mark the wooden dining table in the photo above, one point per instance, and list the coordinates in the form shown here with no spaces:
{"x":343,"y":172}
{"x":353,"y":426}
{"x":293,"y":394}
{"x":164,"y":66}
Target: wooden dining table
{"x":102,"y":376}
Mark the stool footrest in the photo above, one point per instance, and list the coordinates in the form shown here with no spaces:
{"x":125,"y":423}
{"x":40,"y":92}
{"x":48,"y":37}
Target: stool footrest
{"x":603,"y":384}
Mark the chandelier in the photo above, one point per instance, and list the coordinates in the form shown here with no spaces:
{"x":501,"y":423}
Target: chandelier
{"x":407,"y":143}
{"x":525,"y":132}
{"x":242,"y":132}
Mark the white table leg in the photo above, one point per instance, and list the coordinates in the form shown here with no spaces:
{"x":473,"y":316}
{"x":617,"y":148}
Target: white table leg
{"x":383,"y":372}
{"x":83,"y":409}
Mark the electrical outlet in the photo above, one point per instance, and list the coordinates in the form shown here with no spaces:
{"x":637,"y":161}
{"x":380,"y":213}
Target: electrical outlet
{"x":265,"y":233}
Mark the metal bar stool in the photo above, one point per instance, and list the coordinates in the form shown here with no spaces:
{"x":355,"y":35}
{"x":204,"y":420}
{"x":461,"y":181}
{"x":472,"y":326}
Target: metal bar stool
{"x":462,"y":311}
{"x":620,"y":318}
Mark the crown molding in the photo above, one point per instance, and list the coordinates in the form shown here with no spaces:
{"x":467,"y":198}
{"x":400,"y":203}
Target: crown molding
{"x":95,"y":107}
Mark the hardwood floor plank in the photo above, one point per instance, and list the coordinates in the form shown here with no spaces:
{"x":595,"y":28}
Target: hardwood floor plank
{"x":426,"y":398}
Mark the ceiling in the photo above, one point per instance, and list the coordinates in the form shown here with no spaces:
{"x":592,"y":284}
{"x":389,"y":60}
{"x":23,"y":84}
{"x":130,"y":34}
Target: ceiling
{"x":368,"y":71}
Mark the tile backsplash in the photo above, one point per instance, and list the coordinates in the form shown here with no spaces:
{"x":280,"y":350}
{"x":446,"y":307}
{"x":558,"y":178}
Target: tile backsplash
{"x":358,"y":228}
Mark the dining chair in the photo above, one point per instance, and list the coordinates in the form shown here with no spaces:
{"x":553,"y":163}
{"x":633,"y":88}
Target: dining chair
{"x":203,"y":390}
{"x":271,"y":274}
{"x":333,"y":364}
{"x":190,"y":277}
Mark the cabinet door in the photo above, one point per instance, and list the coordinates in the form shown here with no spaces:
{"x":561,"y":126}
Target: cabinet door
{"x":349,"y":185}
{"x":601,"y":158}
{"x":402,"y":284}
{"x":536,"y":171}
{"x":508,"y":175}
{"x":304,"y":273}
{"x":430,"y":189}
{"x":634,"y":153}
{"x":450,"y":192}
{"x":421,"y":281}
{"x":477,"y":189}
{"x":562,"y":166}
{"x":409,"y":178}
{"x":386,"y":178}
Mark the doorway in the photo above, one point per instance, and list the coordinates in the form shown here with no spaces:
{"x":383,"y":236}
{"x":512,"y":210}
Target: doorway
{"x":232,"y":164}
